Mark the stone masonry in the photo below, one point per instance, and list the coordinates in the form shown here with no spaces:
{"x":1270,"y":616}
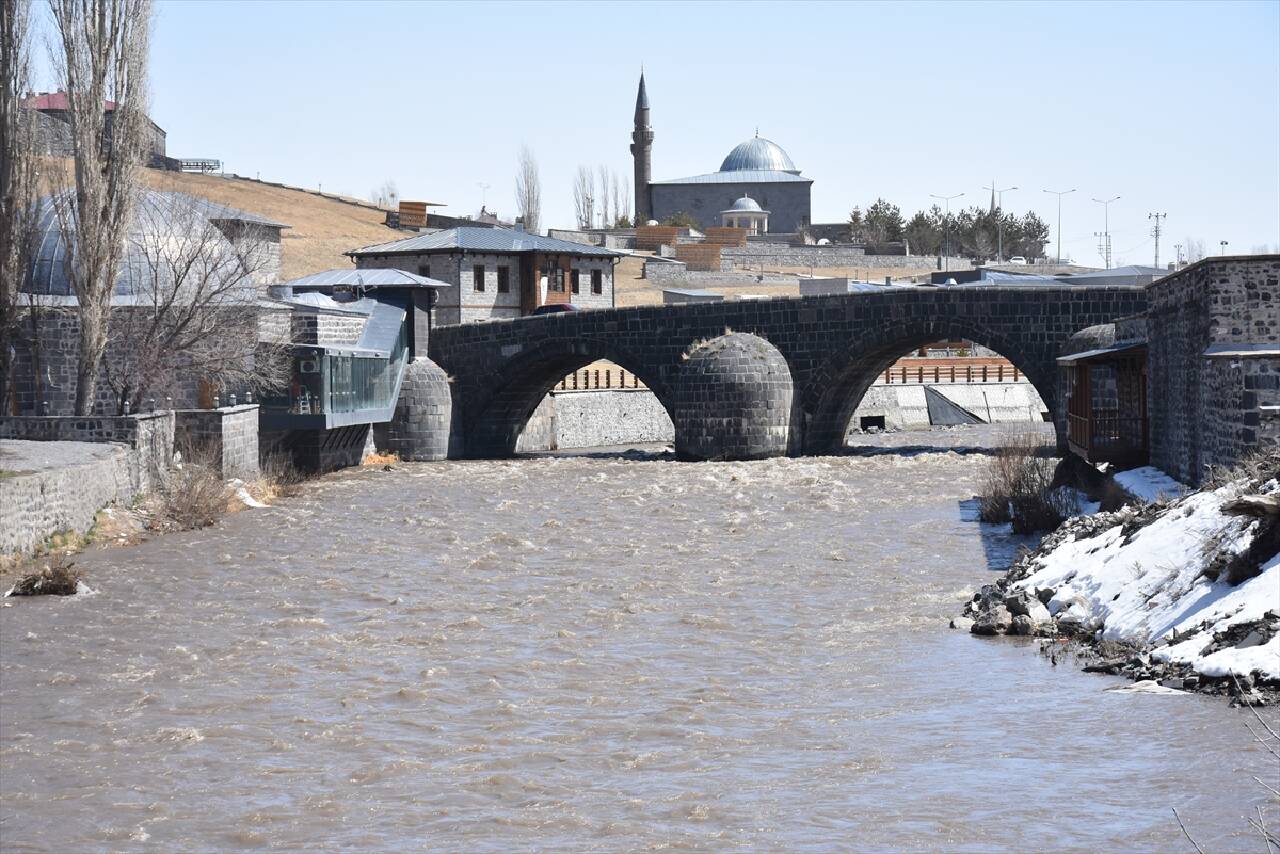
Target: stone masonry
{"x":1213,"y":363}
{"x":834,"y":348}
{"x":419,"y":430}
{"x":229,"y":435}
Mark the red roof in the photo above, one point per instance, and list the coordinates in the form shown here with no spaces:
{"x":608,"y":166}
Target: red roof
{"x":56,"y":101}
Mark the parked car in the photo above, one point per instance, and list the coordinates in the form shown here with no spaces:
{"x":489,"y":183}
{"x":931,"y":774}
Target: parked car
{"x":553,"y":308}
{"x":1017,"y":259}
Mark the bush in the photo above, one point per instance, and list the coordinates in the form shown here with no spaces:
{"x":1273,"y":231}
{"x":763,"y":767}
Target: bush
{"x":194,"y":495}
{"x":1019,"y":487}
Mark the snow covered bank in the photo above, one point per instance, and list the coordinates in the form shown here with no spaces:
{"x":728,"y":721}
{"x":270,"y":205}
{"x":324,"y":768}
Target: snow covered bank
{"x":1187,"y":592}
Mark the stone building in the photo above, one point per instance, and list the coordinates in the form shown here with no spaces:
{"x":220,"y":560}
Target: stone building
{"x":758,"y":168}
{"x":499,"y":272}
{"x":180,"y":250}
{"x":49,"y":110}
{"x":1191,"y":385}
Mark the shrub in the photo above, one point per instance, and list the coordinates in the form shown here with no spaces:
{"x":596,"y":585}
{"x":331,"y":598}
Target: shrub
{"x":1019,"y":487}
{"x":194,"y":494}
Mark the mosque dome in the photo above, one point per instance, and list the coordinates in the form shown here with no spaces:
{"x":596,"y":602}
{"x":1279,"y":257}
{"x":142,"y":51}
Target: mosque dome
{"x":758,"y":153}
{"x":746,"y":204}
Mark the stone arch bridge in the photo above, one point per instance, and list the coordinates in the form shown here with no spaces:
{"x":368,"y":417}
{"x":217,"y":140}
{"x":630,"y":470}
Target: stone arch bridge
{"x":756,"y":378}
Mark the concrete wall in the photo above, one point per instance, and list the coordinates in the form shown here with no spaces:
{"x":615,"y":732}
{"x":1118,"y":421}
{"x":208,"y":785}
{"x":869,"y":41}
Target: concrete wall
{"x":788,"y":203}
{"x":903,"y":406}
{"x":828,"y":257}
{"x":229,"y":435}
{"x":1207,"y":410}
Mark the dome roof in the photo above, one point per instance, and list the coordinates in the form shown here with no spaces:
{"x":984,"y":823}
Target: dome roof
{"x":758,"y":153}
{"x":168,"y":229}
{"x":746,"y":203}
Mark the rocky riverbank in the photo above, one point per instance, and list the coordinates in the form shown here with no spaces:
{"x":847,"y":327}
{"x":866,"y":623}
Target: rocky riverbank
{"x":1183,"y":592}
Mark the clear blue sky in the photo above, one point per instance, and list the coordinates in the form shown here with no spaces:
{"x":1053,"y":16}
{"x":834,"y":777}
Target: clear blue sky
{"x":1173,"y":106}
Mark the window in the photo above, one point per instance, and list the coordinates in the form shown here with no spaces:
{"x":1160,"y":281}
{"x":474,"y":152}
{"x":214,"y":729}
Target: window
{"x":504,"y":280}
{"x":597,"y":282}
{"x":477,"y":277}
{"x":575,"y":277}
{"x":555,"y":280}
{"x":424,"y":270}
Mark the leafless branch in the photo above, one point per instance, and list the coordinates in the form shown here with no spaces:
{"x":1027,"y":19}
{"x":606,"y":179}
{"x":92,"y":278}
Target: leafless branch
{"x":529,"y":191}
{"x":1194,"y":844}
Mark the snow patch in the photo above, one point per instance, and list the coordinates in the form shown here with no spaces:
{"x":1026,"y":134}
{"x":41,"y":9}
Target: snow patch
{"x":1149,"y":484}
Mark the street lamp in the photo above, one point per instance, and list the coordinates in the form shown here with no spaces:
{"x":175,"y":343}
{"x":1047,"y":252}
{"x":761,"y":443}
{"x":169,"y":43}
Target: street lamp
{"x":946,"y":257}
{"x":1060,"y":194}
{"x":1223,"y":250}
{"x":1106,"y":226}
{"x":999,"y":218}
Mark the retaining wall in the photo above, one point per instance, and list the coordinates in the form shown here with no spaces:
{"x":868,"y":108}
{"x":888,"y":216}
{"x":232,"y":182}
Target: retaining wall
{"x":149,"y":435}
{"x":229,"y":435}
{"x":590,"y":419}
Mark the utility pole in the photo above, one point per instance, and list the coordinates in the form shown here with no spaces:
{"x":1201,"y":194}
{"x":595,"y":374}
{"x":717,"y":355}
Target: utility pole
{"x":1155,"y":232}
{"x":946,"y":257}
{"x":1178,"y":248}
{"x":999,"y":212}
{"x":1060,"y":194}
{"x":1104,"y":245}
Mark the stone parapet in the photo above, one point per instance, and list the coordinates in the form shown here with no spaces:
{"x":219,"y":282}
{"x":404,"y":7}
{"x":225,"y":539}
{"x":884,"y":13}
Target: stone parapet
{"x":229,"y":435}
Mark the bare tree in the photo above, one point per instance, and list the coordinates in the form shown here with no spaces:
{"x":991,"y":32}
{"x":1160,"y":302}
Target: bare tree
{"x":1194,"y":249}
{"x":624,"y":210}
{"x":101,"y":49}
{"x":583,"y":197}
{"x":191,"y":307}
{"x":386,"y":196}
{"x":529,"y":191}
{"x":604,"y":176}
{"x":18,"y":176}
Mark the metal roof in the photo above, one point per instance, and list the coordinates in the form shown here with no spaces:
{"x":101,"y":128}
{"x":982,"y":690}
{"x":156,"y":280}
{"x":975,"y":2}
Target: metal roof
{"x":1113,"y":350}
{"x":745,"y":204}
{"x":470,"y":239}
{"x":385,"y":278}
{"x":741,"y":176}
{"x":758,"y":153}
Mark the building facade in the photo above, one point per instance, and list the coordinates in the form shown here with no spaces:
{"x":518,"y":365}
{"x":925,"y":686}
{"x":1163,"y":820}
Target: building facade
{"x":498,"y":273}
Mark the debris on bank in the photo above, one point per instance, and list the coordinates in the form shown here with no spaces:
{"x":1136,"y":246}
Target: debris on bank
{"x":58,"y":578}
{"x":1184,"y":591}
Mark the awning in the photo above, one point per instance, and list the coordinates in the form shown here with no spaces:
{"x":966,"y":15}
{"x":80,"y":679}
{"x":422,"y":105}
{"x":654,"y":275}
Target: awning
{"x":1113,"y":350}
{"x":1242,"y":351}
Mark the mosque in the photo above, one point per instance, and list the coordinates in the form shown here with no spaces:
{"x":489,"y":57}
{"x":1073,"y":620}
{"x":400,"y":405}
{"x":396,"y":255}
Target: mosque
{"x":757,"y":185}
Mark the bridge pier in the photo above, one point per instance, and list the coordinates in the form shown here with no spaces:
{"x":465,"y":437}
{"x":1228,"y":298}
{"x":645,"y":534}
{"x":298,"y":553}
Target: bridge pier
{"x":419,"y":430}
{"x":733,"y":400}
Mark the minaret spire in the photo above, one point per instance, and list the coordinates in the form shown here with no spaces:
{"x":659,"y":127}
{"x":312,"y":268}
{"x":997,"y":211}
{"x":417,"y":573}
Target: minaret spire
{"x":641,"y":151}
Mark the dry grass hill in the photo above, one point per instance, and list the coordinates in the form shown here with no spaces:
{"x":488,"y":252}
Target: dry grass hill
{"x":320,"y":228}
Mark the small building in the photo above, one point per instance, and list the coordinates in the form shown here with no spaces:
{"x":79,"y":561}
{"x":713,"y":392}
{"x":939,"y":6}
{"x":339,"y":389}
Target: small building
{"x":51,"y":112}
{"x":745,"y":213}
{"x":1190,"y":386}
{"x":498,"y":272}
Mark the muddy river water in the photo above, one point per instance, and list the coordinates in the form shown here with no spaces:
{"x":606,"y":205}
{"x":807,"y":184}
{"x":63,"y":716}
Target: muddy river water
{"x":580,"y":654}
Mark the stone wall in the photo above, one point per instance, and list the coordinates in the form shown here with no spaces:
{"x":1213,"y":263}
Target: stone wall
{"x":229,"y":435}
{"x":55,"y":487}
{"x":1213,"y":335}
{"x":593,"y":419}
{"x":327,"y":328}
{"x":149,"y":435}
{"x":828,"y":257}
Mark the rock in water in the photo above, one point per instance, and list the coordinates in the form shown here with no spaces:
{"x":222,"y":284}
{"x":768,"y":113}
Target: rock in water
{"x":993,"y":622}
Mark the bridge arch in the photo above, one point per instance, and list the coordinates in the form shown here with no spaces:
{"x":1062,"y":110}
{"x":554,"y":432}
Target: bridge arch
{"x":842,"y":380}
{"x":513,"y":388}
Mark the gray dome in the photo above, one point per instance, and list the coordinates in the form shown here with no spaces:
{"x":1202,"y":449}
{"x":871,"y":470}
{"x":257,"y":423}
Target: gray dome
{"x":746,"y":204}
{"x":166,"y":227}
{"x":758,"y":153}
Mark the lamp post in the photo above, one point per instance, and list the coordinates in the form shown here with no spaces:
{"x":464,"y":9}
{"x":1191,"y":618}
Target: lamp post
{"x":1223,"y":247}
{"x":1106,"y":226}
{"x":1060,"y":194}
{"x":946,"y":258}
{"x":999,"y":218}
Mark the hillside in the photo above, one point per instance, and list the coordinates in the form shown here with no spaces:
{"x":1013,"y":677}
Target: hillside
{"x":320,"y":229}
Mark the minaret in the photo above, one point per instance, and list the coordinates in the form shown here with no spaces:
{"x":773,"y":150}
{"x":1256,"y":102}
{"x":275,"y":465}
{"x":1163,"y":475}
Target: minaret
{"x":641,"y":150}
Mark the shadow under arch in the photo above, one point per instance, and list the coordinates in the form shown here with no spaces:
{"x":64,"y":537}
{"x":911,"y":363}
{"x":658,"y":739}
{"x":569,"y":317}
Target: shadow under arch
{"x":492,"y":427}
{"x":840,"y":383}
